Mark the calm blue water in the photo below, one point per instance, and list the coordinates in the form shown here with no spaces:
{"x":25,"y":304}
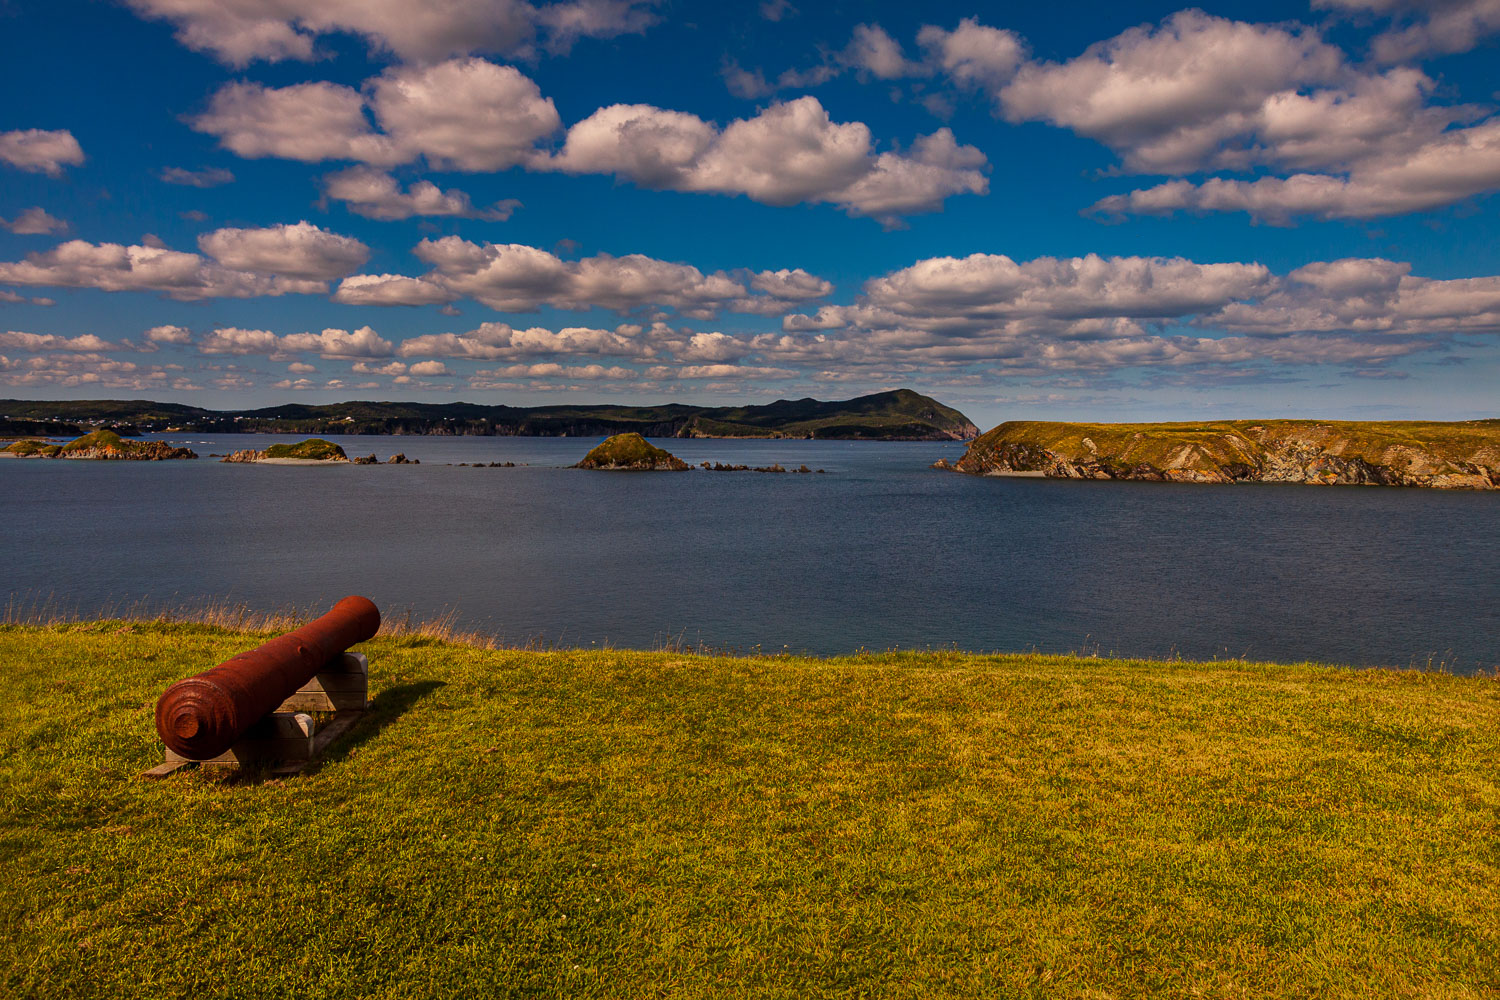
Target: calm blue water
{"x":880,"y":552}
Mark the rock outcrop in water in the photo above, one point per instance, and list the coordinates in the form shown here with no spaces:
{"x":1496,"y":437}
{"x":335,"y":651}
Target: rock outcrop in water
{"x":1462,"y":455}
{"x":631,"y":452}
{"x":101,"y":445}
{"x":311,"y":450}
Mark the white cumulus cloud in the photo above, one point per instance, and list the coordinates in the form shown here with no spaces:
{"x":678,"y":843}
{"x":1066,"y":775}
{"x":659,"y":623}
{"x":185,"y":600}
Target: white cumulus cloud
{"x":474,"y":115}
{"x":34,"y":342}
{"x":377,"y":195}
{"x":34,"y":222}
{"x":301,"y":250}
{"x":169,"y":335}
{"x":1454,"y":165}
{"x":239,"y":31}
{"x":464,"y":114}
{"x":40,"y":151}
{"x":974,"y":54}
{"x":513,"y":277}
{"x":1425,"y":27}
{"x":334,"y":344}
{"x":789,"y":153}
{"x":496,"y":341}
{"x":1168,"y":100}
{"x":114,"y":267}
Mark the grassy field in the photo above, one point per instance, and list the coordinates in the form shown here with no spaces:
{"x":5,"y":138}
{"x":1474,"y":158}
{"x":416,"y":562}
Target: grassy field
{"x":627,"y":824}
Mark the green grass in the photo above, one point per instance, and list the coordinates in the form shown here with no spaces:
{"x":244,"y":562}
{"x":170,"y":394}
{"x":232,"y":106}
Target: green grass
{"x":313,"y":449}
{"x":629,"y":824}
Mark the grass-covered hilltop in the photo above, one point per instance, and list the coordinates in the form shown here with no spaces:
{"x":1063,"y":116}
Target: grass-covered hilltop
{"x":311,"y":450}
{"x":1459,"y":455}
{"x":634,"y":824}
{"x":101,"y":444}
{"x":900,"y":414}
{"x":633,"y":453}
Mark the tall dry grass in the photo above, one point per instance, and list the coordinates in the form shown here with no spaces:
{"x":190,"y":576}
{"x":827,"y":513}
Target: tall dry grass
{"x":236,"y":616}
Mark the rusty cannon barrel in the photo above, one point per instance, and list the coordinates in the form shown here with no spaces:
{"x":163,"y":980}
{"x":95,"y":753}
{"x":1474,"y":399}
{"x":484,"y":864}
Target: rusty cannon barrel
{"x":201,"y":717}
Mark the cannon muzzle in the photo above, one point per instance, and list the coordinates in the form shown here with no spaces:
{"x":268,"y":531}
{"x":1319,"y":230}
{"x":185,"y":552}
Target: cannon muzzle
{"x":201,"y":717}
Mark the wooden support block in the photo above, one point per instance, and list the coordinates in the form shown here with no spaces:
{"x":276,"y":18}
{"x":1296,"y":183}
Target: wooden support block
{"x":279,"y":737}
{"x":343,"y":684}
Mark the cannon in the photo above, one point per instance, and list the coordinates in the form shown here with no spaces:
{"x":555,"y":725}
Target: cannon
{"x":201,"y":717}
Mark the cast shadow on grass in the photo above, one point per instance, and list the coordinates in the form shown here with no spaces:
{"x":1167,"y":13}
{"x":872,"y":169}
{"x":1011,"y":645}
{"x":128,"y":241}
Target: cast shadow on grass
{"x":385,"y":708}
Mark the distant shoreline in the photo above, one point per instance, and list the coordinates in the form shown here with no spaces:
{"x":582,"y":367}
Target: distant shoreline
{"x":896,"y":415}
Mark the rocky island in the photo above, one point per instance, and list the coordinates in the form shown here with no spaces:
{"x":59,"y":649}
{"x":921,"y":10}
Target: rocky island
{"x":101,"y":445}
{"x":631,"y":452}
{"x":313,"y":450}
{"x":1459,"y":455}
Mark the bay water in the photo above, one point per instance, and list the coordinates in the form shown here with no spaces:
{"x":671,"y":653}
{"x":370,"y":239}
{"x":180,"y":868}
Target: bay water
{"x":878,"y":552}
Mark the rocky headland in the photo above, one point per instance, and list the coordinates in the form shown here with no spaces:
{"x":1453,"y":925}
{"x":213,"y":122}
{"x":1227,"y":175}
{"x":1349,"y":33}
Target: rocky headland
{"x":100,"y":445}
{"x":1459,"y":455}
{"x":631,"y":452}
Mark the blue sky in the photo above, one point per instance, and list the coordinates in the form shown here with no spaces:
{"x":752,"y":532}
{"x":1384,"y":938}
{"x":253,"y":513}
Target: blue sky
{"x":1100,"y":211}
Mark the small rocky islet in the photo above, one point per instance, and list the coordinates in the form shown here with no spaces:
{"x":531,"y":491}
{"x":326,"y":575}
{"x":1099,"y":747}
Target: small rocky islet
{"x":310,"y":450}
{"x":313,"y":451}
{"x":1463,"y":455}
{"x":633,"y":453}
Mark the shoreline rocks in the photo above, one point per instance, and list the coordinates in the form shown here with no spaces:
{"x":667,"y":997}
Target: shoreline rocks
{"x":777,"y":467}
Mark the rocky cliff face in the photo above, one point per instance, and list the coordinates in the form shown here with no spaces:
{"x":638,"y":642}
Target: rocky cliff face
{"x":1437,"y":455}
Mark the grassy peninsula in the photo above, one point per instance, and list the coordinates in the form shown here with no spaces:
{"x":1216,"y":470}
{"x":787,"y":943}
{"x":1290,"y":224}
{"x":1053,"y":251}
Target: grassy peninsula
{"x":897,"y":415}
{"x":1457,"y":455}
{"x":614,"y":823}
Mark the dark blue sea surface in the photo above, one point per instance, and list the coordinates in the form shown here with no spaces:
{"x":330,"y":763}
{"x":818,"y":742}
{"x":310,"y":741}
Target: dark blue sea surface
{"x":879,"y":552}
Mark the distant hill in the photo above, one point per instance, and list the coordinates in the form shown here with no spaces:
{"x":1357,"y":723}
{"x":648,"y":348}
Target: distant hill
{"x":897,"y":415}
{"x":1456,"y":455}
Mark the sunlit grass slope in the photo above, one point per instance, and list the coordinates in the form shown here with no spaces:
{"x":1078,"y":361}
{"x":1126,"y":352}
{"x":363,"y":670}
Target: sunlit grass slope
{"x":628,"y":824}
